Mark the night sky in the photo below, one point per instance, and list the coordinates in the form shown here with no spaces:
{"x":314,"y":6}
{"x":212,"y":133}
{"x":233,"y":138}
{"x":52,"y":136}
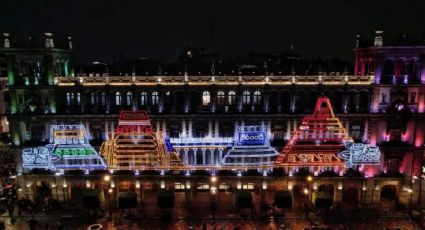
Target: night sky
{"x":101,"y":29}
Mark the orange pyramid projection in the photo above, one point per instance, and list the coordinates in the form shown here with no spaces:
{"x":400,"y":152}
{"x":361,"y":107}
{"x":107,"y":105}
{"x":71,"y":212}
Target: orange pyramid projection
{"x":317,"y":141}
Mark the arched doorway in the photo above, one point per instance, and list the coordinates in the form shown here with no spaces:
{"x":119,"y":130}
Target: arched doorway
{"x":388,"y":195}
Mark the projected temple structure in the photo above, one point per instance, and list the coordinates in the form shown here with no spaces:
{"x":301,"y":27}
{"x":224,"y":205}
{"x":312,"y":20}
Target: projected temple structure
{"x":317,"y":141}
{"x":251,"y":148}
{"x":134,"y":144}
{"x":69,"y":148}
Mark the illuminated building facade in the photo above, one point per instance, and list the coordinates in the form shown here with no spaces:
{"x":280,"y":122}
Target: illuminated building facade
{"x":386,"y":89}
{"x":381,"y":104}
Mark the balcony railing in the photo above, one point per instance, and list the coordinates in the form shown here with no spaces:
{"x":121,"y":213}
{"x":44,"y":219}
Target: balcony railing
{"x":217,"y":80}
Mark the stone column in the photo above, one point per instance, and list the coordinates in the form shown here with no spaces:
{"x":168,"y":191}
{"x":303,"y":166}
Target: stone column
{"x":288,"y":129}
{"x":220,"y":156}
{"x":89,"y":136}
{"x":293,"y":103}
{"x":106,"y":130}
{"x":210,"y":129}
{"x":212,"y":157}
{"x":195,"y":150}
{"x":188,"y":195}
{"x":183,"y":128}
{"x":186,"y":155}
{"x":338,"y":192}
{"x":112,"y":126}
{"x":263,"y":193}
{"x":347,"y":126}
{"x":158,"y":126}
{"x":266,"y":102}
{"x":203,"y":156}
{"x":366,"y":130}
{"x":216,"y":129}
{"x":236,"y":125}
{"x":269,"y":129}
{"x":164,"y":126}
{"x":190,"y":129}
{"x":47,"y":131}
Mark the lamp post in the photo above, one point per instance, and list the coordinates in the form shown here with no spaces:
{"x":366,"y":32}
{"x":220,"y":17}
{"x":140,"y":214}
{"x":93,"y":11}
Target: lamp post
{"x":110,"y":201}
{"x":373,"y":189}
{"x":364,"y":189}
{"x":410,"y":190}
{"x":309,"y":180}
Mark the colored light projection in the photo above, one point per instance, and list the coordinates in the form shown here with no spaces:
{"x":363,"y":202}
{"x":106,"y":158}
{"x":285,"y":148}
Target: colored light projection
{"x":69,"y":148}
{"x":135,"y":145}
{"x":360,"y":154}
{"x":317,"y":141}
{"x":252,"y":148}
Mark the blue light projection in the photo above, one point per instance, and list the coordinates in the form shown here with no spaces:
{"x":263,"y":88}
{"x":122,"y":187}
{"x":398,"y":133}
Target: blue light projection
{"x":252,"y":147}
{"x":69,"y":148}
{"x":360,"y":154}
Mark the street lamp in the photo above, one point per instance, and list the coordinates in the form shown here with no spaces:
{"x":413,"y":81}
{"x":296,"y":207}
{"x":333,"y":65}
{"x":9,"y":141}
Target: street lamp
{"x":106,"y":178}
{"x":411,"y":199}
{"x":309,"y":179}
{"x":364,"y":189}
{"x":214,"y":179}
{"x":110,"y":201}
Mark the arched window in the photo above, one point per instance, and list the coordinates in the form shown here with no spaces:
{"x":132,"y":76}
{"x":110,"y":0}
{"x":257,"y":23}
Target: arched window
{"x":206,"y":98}
{"x":155,"y":98}
{"x":92,"y":98}
{"x":129,"y":98}
{"x":117,"y":98}
{"x":246,"y":98}
{"x":143,"y":99}
{"x":103,"y":98}
{"x":220,"y":98}
{"x":257,"y":97}
{"x":231,"y":98}
{"x":69,"y":98}
{"x":78,"y":98}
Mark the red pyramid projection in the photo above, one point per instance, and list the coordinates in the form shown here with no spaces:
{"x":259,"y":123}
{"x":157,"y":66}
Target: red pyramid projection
{"x":317,"y":141}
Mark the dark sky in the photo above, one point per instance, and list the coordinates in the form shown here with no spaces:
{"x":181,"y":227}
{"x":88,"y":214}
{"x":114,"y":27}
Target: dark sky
{"x":161,"y":29}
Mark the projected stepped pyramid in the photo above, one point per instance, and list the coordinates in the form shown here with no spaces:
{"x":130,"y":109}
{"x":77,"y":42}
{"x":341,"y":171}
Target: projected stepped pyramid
{"x":317,"y":141}
{"x":134,"y":144}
